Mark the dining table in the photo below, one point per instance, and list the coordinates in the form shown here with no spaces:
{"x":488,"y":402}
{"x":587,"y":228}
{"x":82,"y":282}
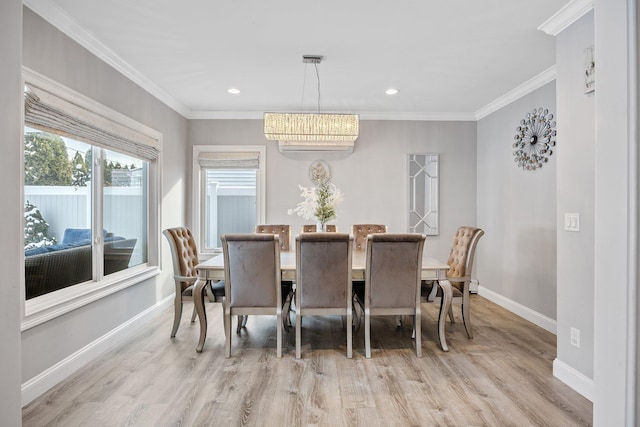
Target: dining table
{"x":213,"y":269}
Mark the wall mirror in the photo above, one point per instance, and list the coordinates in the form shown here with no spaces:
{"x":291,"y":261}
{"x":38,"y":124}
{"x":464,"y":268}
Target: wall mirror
{"x":423,"y":194}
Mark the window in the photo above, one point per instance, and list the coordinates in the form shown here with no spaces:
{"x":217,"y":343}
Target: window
{"x":228,"y":192}
{"x":90,"y":178}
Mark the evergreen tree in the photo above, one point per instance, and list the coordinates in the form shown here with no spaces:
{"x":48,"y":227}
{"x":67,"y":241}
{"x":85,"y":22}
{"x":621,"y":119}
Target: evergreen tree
{"x":46,"y":161}
{"x":36,"y":229}
{"x":80,"y":174}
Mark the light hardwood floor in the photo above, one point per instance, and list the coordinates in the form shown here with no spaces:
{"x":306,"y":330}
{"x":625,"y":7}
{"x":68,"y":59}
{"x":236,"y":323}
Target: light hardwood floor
{"x":503,"y":377}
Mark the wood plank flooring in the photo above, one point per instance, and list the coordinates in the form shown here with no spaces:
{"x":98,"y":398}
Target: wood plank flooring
{"x":503,"y":377}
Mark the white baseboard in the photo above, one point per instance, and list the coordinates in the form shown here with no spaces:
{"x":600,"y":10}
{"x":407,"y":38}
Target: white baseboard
{"x":532,"y":316}
{"x":574,"y":379}
{"x":42,"y":382}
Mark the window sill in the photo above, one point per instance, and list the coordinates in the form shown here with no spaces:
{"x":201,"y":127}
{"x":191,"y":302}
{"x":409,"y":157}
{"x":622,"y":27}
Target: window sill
{"x":46,"y":307}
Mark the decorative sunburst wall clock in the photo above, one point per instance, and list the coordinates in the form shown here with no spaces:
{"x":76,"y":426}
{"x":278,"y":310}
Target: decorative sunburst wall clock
{"x":534,"y":139}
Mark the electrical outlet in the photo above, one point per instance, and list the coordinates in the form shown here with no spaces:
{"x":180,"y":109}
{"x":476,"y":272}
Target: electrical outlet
{"x":575,"y":337}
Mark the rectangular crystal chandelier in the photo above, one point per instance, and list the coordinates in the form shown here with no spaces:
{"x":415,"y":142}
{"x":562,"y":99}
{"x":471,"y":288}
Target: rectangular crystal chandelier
{"x":311,"y":127}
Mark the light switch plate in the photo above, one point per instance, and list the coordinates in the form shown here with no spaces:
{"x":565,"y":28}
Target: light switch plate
{"x":571,"y":221}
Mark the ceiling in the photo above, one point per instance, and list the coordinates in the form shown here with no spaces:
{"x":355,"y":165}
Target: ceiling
{"x":447,"y":58}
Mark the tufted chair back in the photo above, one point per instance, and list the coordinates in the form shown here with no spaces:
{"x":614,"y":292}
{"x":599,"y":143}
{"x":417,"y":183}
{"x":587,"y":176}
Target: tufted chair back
{"x":283,"y":231}
{"x":183,"y":252}
{"x":463,"y":251}
{"x":311,"y":228}
{"x":361,"y":231}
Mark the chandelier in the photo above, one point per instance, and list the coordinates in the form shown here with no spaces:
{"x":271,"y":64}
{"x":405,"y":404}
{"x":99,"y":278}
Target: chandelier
{"x":312,"y":131}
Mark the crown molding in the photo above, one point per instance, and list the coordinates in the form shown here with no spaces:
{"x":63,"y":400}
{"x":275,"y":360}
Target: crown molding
{"x":566,"y":16}
{"x":525,"y":88}
{"x":225,"y":115}
{"x":432,"y":116}
{"x":62,"y":21}
{"x":258,"y":115}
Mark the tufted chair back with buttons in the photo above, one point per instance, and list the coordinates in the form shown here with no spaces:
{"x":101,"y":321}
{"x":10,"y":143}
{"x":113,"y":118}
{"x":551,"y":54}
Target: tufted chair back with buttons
{"x":311,"y":228}
{"x":463,"y":251}
{"x":361,"y":231}
{"x":284,"y":231}
{"x":184,"y":254}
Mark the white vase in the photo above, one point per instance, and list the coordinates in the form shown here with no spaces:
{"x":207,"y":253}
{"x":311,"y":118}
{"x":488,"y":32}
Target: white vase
{"x":320,"y":227}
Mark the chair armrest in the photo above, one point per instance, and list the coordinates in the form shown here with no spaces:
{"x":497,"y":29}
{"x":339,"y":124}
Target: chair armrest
{"x":186,"y":279}
{"x":459,"y":279}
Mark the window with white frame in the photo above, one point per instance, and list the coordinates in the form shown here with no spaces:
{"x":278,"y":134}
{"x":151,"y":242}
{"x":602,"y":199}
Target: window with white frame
{"x":228,"y":192}
{"x":90,"y":179}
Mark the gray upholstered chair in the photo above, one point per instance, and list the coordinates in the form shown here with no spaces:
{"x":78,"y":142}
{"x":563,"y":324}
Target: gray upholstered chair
{"x":252,"y":280}
{"x":184,"y":254}
{"x":284,"y":233}
{"x":312,"y":228}
{"x":460,"y":263}
{"x":323,"y":279}
{"x":392,"y":280}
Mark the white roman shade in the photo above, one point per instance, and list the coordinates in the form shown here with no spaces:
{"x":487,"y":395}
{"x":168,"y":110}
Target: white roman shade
{"x":229,"y":160}
{"x":49,"y":112}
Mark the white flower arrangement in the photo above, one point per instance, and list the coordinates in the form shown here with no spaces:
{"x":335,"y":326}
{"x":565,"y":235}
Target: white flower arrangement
{"x":320,"y":203}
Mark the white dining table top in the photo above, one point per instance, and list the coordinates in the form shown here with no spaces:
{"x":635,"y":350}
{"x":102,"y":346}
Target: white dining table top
{"x":214,"y":267}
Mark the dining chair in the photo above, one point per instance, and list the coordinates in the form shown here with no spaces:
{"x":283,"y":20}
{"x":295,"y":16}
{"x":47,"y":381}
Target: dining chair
{"x":284,"y":233}
{"x":282,"y":230}
{"x":312,"y":228}
{"x":323,"y":279}
{"x":184,"y":254}
{"x":392,"y":281}
{"x":360,"y":233}
{"x":252,"y":280}
{"x":460,"y":263}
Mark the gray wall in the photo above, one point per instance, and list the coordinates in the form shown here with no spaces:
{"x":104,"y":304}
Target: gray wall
{"x":373,"y":177}
{"x":616,"y":198}
{"x":49,"y":52}
{"x":575,"y":193}
{"x":12,"y":212}
{"x":517,"y":210}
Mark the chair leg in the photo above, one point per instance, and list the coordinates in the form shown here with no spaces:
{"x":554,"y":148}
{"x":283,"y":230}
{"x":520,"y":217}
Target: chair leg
{"x":286,"y":311}
{"x":358,"y":312}
{"x":451,"y":318}
{"x":193,"y":315}
{"x":279,"y":326}
{"x":417,"y":326}
{"x":349,"y":333}
{"x":224,"y":319}
{"x":298,"y":333}
{"x":227,"y":317}
{"x":367,"y":333}
{"x":242,"y":322}
{"x":466,"y":310}
{"x":177,"y":315}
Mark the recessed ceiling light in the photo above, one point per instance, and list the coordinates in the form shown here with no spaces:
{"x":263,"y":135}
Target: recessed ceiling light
{"x":233,"y":91}
{"x":391,"y":91}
